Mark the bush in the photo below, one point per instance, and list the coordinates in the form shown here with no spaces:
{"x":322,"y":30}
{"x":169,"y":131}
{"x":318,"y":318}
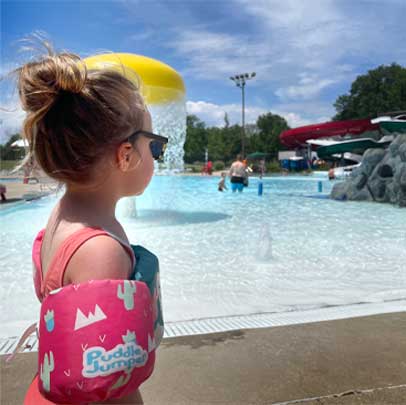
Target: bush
{"x":218,"y":165}
{"x":273,"y":167}
{"x":194,"y":168}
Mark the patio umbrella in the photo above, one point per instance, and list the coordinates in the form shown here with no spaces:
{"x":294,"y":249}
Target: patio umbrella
{"x":257,"y":155}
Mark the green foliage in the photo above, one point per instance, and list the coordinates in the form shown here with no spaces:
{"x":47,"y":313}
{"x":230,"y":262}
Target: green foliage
{"x":196,"y":139}
{"x":196,"y":167}
{"x":223,"y":144}
{"x":380,"y":90}
{"x":9,"y":164}
{"x":273,"y":167}
{"x":267,"y":139}
{"x":218,"y":165}
{"x":9,"y":153}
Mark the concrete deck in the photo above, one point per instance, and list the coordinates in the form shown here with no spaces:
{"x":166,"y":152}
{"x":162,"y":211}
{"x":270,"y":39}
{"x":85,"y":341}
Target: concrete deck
{"x":17,"y":191}
{"x":349,"y":361}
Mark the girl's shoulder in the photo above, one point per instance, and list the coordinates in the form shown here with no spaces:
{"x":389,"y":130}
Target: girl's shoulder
{"x":76,"y":253}
{"x":102,"y":256}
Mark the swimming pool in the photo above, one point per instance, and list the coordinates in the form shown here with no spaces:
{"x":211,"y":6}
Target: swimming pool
{"x":235,"y":254}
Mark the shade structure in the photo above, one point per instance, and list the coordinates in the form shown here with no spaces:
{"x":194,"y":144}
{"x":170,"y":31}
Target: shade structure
{"x":257,"y":155}
{"x":297,"y":137}
{"x":20,"y":143}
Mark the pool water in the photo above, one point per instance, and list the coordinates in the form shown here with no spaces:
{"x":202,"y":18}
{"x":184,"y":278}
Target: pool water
{"x":235,"y":254}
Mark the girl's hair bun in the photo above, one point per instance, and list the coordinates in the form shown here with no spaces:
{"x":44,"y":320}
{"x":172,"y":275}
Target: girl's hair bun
{"x":42,"y":81}
{"x":70,"y":72}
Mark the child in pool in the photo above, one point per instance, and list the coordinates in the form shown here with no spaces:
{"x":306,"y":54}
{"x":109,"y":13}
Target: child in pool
{"x":91,"y":131}
{"x":222,"y":183}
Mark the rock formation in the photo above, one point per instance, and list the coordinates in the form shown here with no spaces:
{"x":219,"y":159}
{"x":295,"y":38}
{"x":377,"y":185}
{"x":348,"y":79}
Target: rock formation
{"x":381,"y":177}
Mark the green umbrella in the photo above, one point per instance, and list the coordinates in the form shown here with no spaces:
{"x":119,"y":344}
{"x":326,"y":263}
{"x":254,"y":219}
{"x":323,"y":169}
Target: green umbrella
{"x":257,"y":155}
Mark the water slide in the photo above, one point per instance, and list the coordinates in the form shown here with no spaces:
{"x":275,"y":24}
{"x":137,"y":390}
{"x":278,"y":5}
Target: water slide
{"x":396,"y":124}
{"x":354,"y":146}
{"x":298,"y":137}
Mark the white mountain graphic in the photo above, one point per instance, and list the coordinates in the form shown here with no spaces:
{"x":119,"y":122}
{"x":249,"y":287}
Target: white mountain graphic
{"x":82,"y":320}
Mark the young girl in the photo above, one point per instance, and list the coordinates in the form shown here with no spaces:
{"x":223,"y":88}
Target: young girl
{"x":91,"y":131}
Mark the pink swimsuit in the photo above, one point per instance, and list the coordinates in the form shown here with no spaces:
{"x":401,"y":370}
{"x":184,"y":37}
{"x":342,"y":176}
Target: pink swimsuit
{"x":54,"y":276}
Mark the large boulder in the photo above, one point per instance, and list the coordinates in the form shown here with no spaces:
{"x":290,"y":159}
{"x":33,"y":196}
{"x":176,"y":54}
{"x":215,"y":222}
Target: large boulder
{"x":381,"y":177}
{"x":402,"y":152}
{"x":370,"y":159}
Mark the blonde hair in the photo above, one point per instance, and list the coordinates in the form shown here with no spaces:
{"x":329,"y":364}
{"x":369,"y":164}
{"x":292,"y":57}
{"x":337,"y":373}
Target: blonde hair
{"x":75,"y":115}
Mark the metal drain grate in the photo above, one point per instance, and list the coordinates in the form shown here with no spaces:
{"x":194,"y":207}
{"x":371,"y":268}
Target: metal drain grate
{"x":253,"y":321}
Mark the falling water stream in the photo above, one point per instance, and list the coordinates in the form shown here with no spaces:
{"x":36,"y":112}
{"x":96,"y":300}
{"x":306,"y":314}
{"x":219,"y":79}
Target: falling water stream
{"x":168,"y":119}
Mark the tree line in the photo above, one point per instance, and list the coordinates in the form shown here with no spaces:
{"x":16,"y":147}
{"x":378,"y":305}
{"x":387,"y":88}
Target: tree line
{"x":223,"y":144}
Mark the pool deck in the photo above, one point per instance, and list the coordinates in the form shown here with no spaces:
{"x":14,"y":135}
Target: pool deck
{"x":347,"y":361}
{"x":18,"y":191}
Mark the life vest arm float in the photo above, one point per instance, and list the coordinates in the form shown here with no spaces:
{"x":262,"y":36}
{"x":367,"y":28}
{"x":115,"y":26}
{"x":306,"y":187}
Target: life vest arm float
{"x":97,"y":339}
{"x":147,"y":270}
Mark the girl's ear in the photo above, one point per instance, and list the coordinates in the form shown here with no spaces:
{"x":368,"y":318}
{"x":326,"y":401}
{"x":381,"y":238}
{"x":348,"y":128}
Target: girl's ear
{"x":123,"y":156}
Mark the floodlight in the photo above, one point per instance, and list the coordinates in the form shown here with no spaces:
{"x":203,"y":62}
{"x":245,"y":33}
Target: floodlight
{"x":240,"y":81}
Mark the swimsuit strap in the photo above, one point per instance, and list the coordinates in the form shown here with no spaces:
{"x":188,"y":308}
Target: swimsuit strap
{"x":54,"y":277}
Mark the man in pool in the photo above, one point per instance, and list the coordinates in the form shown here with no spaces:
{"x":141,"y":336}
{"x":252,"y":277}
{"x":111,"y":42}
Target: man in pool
{"x":238,"y":174}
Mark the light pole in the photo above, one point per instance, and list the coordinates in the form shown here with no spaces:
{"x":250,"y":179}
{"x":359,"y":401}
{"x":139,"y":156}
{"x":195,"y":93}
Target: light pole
{"x":240,"y":81}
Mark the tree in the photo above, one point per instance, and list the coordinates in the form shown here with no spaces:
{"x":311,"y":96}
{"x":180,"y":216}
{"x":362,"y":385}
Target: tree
{"x":380,"y":90}
{"x":226,"y":121}
{"x":225,"y":143}
{"x":270,"y":126}
{"x":196,"y":139}
{"x":7,"y":152}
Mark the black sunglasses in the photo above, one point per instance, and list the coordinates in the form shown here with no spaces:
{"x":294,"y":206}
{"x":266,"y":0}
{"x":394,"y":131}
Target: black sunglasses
{"x":157,"y":146}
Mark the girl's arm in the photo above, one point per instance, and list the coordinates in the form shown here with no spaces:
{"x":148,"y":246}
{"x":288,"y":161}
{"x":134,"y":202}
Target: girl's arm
{"x":100,"y":258}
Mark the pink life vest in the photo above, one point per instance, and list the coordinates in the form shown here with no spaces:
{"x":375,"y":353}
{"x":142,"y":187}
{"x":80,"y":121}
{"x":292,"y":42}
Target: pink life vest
{"x":96,"y":339}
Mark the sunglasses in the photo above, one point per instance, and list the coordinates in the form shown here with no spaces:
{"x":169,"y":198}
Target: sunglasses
{"x":157,"y":145}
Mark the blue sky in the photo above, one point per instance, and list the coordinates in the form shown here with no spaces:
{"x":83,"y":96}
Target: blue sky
{"x":305,"y":52}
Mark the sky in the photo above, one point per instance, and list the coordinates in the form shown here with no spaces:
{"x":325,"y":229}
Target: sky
{"x":305,"y":52}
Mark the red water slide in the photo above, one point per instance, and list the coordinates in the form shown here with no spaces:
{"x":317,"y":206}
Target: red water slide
{"x":297,"y":137}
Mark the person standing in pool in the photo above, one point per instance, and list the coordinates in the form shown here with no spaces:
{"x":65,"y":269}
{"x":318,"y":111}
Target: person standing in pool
{"x":222,"y":183}
{"x":238,"y":175}
{"x":91,"y":131}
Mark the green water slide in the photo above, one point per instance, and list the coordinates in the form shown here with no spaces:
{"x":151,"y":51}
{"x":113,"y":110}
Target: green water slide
{"x":390,"y":124}
{"x":356,"y":146}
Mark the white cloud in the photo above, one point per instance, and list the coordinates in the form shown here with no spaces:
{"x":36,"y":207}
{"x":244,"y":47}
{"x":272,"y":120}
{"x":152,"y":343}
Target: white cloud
{"x":307,"y":88}
{"x":216,"y":56}
{"x":11,"y":118}
{"x":213,"y":114}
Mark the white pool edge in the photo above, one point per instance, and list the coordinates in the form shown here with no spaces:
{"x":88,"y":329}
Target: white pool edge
{"x":254,"y":321}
